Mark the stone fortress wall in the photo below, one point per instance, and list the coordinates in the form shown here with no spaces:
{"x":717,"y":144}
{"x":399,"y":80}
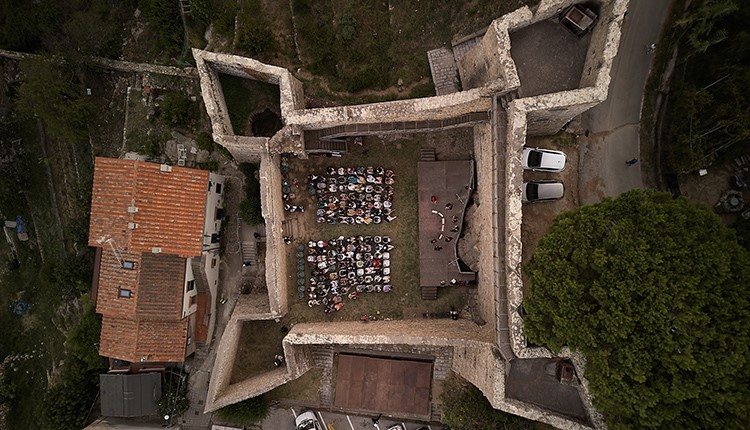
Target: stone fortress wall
{"x":490,"y":74}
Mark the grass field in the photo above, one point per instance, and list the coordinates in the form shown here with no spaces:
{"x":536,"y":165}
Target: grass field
{"x":32,"y":341}
{"x":400,"y":155}
{"x":348,"y":52}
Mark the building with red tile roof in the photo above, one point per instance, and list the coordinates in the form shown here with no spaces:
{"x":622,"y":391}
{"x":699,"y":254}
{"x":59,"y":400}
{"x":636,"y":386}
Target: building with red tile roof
{"x":156,"y":228}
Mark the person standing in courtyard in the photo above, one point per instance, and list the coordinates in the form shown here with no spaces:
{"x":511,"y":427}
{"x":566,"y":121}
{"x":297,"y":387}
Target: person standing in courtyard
{"x":631,"y":162}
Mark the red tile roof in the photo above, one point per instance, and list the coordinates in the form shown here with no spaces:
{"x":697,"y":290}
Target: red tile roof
{"x":149,"y":323}
{"x":148,"y":340}
{"x":170,"y":207}
{"x":160,"y":287}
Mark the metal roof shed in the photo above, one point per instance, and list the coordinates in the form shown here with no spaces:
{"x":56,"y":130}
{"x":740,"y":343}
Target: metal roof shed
{"x":129,"y":395}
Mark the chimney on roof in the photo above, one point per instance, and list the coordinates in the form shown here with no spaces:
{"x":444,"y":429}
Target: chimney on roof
{"x":132,"y":225}
{"x":156,"y":250}
{"x":165,"y":168}
{"x":132,"y":209}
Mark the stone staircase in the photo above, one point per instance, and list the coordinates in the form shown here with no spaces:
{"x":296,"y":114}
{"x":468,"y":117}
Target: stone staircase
{"x":327,"y":146}
{"x":322,"y":357}
{"x":427,"y":154}
{"x":436,"y":412}
{"x":291,"y":228}
{"x":429,"y":293}
{"x":249,"y":253}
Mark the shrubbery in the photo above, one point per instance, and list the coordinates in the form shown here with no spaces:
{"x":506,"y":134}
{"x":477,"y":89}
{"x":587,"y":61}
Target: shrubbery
{"x":250,"y":209}
{"x":164,"y":17}
{"x":175,"y":109}
{"x":67,"y":403}
{"x":83,"y":338}
{"x":247,"y":412}
{"x":174,"y":401}
{"x":466,"y":408}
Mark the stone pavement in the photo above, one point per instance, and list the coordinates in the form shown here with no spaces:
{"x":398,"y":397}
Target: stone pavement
{"x":444,"y":71}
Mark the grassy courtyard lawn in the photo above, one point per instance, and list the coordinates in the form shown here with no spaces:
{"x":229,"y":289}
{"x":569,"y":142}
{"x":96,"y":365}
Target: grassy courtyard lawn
{"x":259,"y":343}
{"x":400,"y":155}
{"x":303,"y":389}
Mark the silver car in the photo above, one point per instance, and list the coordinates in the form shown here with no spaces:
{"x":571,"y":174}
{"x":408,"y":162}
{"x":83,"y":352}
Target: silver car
{"x":546,"y":160}
{"x":540,"y":191}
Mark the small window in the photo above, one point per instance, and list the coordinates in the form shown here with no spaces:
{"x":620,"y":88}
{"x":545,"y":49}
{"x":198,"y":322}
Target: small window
{"x":213,"y":263}
{"x":130,"y":265}
{"x":218,"y":188}
{"x":125,"y":294}
{"x":210,"y":184}
{"x":191,"y":285}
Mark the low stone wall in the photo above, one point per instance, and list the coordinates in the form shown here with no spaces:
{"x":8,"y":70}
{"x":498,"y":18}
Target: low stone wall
{"x":483,"y":366}
{"x":213,"y":97}
{"x":605,"y":42}
{"x":489,"y":64}
{"x":273,"y":213}
{"x":290,"y":89}
{"x":244,"y":149}
{"x":485,"y":196}
{"x":428,"y":108}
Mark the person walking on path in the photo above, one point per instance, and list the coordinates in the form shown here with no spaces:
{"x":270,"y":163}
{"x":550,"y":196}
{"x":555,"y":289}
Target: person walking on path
{"x":631,"y":162}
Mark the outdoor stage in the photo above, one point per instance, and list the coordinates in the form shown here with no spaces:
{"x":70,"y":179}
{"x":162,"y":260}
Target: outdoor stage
{"x":444,"y":188}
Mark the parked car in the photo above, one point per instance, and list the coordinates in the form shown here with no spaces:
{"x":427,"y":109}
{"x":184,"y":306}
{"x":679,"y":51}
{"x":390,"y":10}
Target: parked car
{"x":396,"y":427}
{"x":540,"y":191}
{"x":307,"y":421}
{"x":547,"y":160}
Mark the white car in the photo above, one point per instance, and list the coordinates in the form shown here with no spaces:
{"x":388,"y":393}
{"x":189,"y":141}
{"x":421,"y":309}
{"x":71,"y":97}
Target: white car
{"x":540,"y":191}
{"x":307,"y":421}
{"x":547,"y":160}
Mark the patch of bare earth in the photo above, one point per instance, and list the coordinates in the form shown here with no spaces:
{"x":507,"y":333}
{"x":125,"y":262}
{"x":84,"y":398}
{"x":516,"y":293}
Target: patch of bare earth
{"x":538,"y":217}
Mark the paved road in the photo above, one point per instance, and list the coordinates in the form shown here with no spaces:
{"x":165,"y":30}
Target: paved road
{"x":614,"y":124}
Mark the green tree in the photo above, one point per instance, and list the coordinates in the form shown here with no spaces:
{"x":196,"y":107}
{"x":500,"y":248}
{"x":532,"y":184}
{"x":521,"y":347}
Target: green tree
{"x":49,"y":91}
{"x":653,"y":291}
{"x":67,"y":403}
{"x":246,"y":412}
{"x":83,"y":338}
{"x":174,"y":401}
{"x":466,"y":408}
{"x":175,"y":109}
{"x":700,"y":23}
{"x":164,"y":17}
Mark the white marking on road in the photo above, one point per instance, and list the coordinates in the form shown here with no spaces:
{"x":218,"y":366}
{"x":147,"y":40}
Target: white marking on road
{"x":295,"y":413}
{"x":324,"y":421}
{"x":350,"y":422}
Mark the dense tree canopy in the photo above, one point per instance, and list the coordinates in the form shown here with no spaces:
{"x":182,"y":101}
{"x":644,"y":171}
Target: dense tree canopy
{"x":654,"y":292}
{"x":52,"y":92}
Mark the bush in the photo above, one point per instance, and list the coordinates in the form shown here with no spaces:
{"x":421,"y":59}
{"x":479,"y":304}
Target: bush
{"x":175,"y":110}
{"x":164,"y":16}
{"x":211,"y":166}
{"x":83,"y":338}
{"x":205,"y":142}
{"x":255,"y":39}
{"x":174,"y":401}
{"x":466,"y":408}
{"x":250,"y":211}
{"x":67,"y":403}
{"x":247,"y":412}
